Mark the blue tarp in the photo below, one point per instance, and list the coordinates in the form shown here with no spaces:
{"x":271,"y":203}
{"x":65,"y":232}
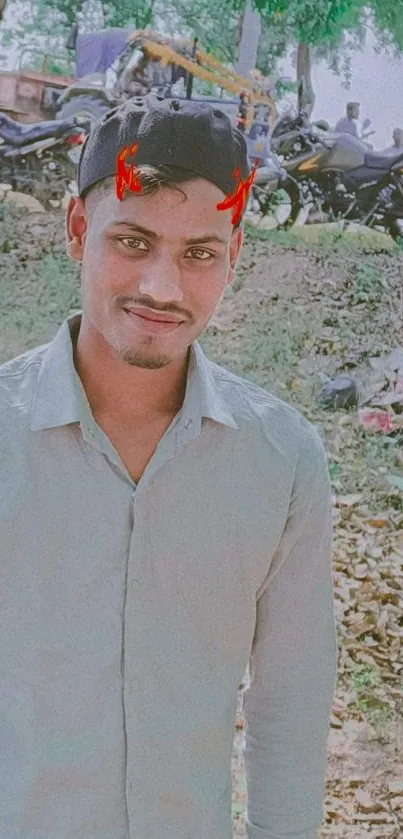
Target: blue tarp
{"x":96,"y":51}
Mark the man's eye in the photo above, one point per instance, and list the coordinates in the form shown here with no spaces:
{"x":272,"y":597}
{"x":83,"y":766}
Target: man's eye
{"x":200,"y":253}
{"x":134,"y":244}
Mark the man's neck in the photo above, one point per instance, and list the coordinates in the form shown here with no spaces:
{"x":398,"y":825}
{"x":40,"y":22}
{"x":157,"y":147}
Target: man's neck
{"x":130,"y":395}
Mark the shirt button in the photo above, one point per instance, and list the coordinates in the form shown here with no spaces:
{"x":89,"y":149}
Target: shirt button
{"x":188,"y":423}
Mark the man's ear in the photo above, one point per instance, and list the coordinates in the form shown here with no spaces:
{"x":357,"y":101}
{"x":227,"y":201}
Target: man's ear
{"x":76,"y":228}
{"x":235,"y":249}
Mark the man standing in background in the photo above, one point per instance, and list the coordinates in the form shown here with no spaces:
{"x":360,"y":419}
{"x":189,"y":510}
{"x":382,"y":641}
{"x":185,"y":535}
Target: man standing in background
{"x":397,"y":142}
{"x":349,"y":123}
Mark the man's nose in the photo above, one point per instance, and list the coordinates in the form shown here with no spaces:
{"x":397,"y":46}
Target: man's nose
{"x":162,"y":280}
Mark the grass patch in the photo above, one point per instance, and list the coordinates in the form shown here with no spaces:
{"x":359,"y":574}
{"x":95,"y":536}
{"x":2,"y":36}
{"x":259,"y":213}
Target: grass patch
{"x":367,"y":683}
{"x":325,"y":239}
{"x":35,"y":303}
{"x":267,"y":348}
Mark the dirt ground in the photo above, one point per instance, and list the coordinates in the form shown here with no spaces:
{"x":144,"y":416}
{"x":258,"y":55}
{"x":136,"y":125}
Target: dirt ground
{"x":297,"y":312}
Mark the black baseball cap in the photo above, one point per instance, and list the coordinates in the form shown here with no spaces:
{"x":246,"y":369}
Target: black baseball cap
{"x":195,"y":136}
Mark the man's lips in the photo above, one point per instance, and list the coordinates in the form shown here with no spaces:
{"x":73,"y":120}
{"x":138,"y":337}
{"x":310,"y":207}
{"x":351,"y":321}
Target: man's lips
{"x":149,"y":314}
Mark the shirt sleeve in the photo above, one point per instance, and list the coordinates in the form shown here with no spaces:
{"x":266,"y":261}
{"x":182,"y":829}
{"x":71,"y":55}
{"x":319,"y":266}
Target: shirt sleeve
{"x":292,"y":666}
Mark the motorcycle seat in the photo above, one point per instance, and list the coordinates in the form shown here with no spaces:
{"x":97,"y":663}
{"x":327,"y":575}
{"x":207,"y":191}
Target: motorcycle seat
{"x":18,"y":134}
{"x":380,"y":160}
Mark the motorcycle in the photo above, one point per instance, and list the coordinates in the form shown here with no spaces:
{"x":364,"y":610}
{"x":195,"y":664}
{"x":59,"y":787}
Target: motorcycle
{"x":272,"y":187}
{"x":289,"y":133}
{"x":343,"y":179}
{"x":41,"y":158}
{"x":275,"y":194}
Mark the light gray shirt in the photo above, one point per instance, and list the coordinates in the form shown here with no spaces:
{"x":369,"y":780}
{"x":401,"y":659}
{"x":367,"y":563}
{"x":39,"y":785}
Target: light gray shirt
{"x":129,"y":614}
{"x":346,"y":125}
{"x":392,"y":151}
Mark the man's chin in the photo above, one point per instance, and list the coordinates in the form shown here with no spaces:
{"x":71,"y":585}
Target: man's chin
{"x":147,"y":360}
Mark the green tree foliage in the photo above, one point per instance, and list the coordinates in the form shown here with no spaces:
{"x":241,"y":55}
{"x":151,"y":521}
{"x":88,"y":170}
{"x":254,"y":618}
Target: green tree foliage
{"x":331,"y":29}
{"x":315,"y":21}
{"x":324,"y":22}
{"x":45,"y":25}
{"x":388,"y":21}
{"x":334,"y":29}
{"x":67,"y":9}
{"x":216,"y":25}
{"x":138,"y":13}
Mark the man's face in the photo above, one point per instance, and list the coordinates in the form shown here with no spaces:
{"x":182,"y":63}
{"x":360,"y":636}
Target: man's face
{"x":355,"y":111}
{"x":159,"y":251}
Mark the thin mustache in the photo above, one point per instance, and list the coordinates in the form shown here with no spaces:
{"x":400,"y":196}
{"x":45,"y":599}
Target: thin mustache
{"x":130,"y":303}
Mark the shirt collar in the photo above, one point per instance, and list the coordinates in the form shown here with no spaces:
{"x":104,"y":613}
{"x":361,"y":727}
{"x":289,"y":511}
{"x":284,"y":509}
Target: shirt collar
{"x":58,"y":398}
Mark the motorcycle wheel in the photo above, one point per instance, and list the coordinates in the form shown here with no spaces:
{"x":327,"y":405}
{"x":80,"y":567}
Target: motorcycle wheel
{"x":47,"y":180}
{"x":395,"y":229}
{"x":282,"y":206}
{"x":90,"y":107}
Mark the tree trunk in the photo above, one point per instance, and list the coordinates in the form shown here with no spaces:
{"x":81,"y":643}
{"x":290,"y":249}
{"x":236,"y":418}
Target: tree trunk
{"x":148,"y":16}
{"x":239,"y":32}
{"x":306,"y":95}
{"x":247,"y":53}
{"x":3,"y":4}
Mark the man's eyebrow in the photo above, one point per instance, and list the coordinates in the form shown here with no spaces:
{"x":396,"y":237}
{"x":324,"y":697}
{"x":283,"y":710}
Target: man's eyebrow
{"x":138,"y":228}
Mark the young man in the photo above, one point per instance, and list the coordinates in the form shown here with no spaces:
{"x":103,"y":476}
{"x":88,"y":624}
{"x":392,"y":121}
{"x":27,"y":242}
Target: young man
{"x":165,"y":525}
{"x":397,"y":142}
{"x":243,"y":108}
{"x":349,"y":123}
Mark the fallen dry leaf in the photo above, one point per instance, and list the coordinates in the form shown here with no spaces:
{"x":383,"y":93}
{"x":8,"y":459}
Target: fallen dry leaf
{"x":395,"y":787}
{"x":397,"y":803}
{"x":366,"y":803}
{"x":377,"y":521}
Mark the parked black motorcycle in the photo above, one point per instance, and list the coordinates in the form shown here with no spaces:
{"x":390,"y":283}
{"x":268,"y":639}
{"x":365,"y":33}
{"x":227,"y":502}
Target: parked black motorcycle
{"x":339,"y":176}
{"x":291,"y":133}
{"x":275,"y":194}
{"x":267,"y":196}
{"x":41,"y":158}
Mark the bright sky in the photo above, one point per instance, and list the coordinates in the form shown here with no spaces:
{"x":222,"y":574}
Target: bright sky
{"x":377,"y":83}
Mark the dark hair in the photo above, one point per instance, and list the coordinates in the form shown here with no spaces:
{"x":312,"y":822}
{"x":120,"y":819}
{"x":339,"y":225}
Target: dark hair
{"x":151,"y":178}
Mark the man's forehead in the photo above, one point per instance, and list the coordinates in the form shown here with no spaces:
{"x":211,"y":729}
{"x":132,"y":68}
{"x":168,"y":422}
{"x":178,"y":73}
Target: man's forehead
{"x":197,"y":190}
{"x":130,"y":177}
{"x":193,"y":204}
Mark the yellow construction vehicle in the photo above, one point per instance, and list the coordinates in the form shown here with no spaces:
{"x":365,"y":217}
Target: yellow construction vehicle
{"x":140,"y":62}
{"x":199,"y":64}
{"x":150,"y":61}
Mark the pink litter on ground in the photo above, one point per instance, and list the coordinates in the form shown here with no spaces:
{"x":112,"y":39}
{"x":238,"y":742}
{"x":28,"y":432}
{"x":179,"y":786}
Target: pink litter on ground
{"x":375,"y":420}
